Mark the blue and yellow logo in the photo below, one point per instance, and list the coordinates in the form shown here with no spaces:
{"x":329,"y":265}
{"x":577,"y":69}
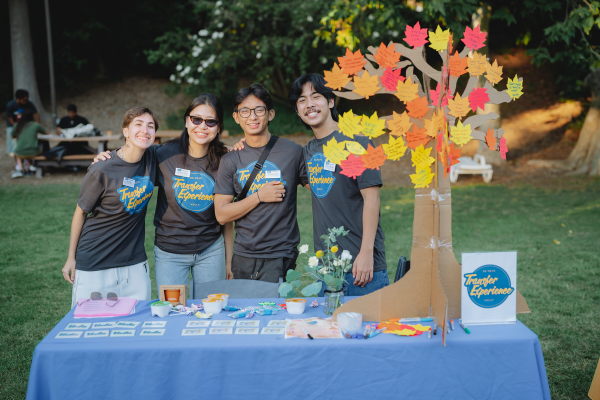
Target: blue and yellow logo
{"x":195,"y":193}
{"x":135,"y":198}
{"x":321,"y":181}
{"x":261,"y":179}
{"x":488,"y":286}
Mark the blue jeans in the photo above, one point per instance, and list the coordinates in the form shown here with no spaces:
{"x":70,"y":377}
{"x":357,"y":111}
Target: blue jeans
{"x":380,"y":280}
{"x":174,"y":269}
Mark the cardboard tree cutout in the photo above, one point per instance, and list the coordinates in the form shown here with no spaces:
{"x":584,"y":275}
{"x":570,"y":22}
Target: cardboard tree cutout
{"x":439,"y":129}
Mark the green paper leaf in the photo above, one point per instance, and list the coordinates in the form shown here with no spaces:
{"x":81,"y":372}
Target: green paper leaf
{"x":312,"y":289}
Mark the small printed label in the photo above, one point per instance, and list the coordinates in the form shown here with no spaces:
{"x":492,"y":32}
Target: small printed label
{"x":128,"y":182}
{"x":92,"y":334}
{"x":329,"y":166}
{"x":154,"y":324}
{"x":246,"y":331}
{"x":223,"y":323}
{"x":276,"y":324}
{"x":272,"y":331}
{"x":152,"y":332}
{"x":247,"y":323}
{"x":197,"y":324}
{"x":69,"y":335}
{"x":182,"y":172}
{"x":103,"y":325}
{"x":221,"y":331}
{"x":78,"y":326}
{"x":272,"y":174}
{"x":122,"y":333}
{"x":127,"y":324}
{"x":193,"y":332}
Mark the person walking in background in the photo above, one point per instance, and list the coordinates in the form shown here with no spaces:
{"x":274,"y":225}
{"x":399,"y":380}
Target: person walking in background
{"x":25,"y":133}
{"x":267,"y":234}
{"x":14,"y":110}
{"x":106,"y":249}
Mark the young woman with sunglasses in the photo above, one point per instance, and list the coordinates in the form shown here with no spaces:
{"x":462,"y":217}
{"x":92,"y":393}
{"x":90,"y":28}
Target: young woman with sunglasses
{"x":188,"y":235}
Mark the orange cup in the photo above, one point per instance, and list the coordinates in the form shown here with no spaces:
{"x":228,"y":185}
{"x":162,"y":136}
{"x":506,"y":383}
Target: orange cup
{"x":172,"y":295}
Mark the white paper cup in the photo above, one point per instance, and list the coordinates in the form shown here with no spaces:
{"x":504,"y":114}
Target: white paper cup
{"x":295,"y":306}
{"x":221,"y":296}
{"x":160,"y":309}
{"x":212,"y":305}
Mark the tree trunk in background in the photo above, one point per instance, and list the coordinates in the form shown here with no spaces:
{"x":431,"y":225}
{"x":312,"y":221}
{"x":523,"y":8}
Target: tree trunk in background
{"x":482,"y":18}
{"x":585,"y":157}
{"x":22,"y":55}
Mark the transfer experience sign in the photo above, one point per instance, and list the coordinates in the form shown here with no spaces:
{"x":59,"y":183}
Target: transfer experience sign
{"x":488,"y":288}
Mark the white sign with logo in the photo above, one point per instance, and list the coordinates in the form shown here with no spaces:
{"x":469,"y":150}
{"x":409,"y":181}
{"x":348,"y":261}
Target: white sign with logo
{"x":488,"y":288}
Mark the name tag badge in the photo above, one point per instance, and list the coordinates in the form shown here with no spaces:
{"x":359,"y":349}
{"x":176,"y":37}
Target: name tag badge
{"x":128,"y":182}
{"x":182,"y":172}
{"x":329,"y":166}
{"x":273,"y":174}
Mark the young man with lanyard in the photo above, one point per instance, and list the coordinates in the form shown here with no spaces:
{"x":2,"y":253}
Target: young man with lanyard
{"x":338,"y":200}
{"x":267,"y":234}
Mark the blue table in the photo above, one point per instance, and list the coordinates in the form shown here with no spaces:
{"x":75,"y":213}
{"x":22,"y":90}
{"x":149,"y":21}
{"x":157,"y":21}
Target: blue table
{"x":493,"y":362}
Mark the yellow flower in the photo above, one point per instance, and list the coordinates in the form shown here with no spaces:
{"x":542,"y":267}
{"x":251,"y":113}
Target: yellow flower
{"x":334,"y":249}
{"x":319,"y":254}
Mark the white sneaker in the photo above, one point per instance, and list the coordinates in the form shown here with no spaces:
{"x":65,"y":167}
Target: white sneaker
{"x":32,"y":168}
{"x":16,"y":174}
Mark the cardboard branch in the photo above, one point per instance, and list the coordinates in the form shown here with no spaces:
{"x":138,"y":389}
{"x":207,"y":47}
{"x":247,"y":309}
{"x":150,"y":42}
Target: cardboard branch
{"x":416,"y":56}
{"x":479,"y":119}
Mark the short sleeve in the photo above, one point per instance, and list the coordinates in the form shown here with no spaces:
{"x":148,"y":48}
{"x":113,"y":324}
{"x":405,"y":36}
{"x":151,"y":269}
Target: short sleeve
{"x":371,"y":177}
{"x":92,"y":189}
{"x":84,"y":121}
{"x":40,"y":129}
{"x":33,"y":107}
{"x":224,"y":183}
{"x":302,"y":169}
{"x":63,"y":124}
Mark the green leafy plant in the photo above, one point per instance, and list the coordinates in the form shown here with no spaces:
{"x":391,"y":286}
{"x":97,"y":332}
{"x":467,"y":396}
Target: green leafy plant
{"x":324,"y":266}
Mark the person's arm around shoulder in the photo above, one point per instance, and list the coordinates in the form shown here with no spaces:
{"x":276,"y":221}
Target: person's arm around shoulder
{"x":68,"y":270}
{"x":362,"y":270}
{"x":227,"y":230}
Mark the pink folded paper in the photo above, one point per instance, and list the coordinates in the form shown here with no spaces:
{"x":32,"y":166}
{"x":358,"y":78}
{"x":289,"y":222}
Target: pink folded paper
{"x":99,"y":308}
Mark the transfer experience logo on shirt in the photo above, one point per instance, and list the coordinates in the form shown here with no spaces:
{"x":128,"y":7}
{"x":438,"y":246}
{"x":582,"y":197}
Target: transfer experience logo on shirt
{"x":269,"y":172}
{"x":195,"y":193}
{"x":488,"y":286}
{"x":136,"y":196}
{"x":321,"y":180}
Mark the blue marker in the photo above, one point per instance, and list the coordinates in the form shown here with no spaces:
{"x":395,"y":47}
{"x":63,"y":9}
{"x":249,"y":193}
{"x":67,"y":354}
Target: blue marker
{"x":404,"y":320}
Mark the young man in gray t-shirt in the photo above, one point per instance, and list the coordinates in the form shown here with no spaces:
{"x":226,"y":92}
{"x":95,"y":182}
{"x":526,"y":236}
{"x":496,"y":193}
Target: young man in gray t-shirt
{"x":266,"y":230}
{"x":338,"y":200}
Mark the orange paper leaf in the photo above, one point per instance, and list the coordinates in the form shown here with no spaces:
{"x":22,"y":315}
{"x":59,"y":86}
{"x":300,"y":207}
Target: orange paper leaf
{"x":476,"y":65}
{"x":387,"y":57}
{"x":458,"y":107}
{"x":490,"y":139}
{"x":351,"y":63}
{"x":335,"y":78}
{"x":407,"y":90}
{"x":436,"y":124}
{"x":374,"y":158}
{"x":418,"y":108}
{"x":417,"y":137}
{"x":352,"y":166}
{"x":399,"y":124}
{"x":493,"y":72}
{"x":458,"y":65}
{"x":367,"y":85}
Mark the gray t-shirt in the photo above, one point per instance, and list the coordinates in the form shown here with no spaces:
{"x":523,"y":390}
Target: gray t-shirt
{"x":337,"y":200}
{"x":116,"y":194}
{"x":185,"y":215}
{"x":270,"y":230}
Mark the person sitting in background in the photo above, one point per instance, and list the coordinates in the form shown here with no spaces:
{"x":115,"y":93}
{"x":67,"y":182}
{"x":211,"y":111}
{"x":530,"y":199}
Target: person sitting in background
{"x":71,"y":120}
{"x":25,"y":133}
{"x":14,"y":109}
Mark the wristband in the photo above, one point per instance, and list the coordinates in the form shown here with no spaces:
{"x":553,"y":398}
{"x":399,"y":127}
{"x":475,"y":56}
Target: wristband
{"x":258,"y":197}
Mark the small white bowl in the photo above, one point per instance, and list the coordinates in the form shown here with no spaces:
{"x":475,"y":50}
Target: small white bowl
{"x":212,"y":305}
{"x":221,"y":296}
{"x":295,"y":306}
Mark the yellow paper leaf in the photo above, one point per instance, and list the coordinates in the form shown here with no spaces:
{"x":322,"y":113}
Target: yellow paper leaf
{"x":493,"y":72}
{"x":399,"y":124}
{"x":355,"y":147}
{"x":421,"y":328}
{"x":461,"y":135}
{"x":349,"y":124}
{"x":335,"y":78}
{"x":367,"y":85}
{"x":458,"y":107}
{"x":395,"y":149}
{"x":335,"y":152}
{"x":404,"y":332}
{"x":421,"y":158}
{"x":422,"y":178}
{"x":407,"y":90}
{"x":514,"y":87}
{"x":439,"y":39}
{"x":372,"y":126}
{"x":476,"y":65}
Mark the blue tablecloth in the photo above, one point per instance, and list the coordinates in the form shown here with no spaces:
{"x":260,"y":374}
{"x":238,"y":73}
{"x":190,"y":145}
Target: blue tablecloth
{"x":493,"y":362}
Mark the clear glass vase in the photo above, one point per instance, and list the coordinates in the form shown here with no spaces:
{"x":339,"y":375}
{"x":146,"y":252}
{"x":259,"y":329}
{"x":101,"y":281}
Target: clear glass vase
{"x":334,"y":298}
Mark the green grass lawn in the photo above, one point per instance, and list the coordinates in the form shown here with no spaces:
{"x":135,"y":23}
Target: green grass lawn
{"x":561,"y":282}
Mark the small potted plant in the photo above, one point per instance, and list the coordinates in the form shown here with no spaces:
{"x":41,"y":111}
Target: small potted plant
{"x":328,"y":266}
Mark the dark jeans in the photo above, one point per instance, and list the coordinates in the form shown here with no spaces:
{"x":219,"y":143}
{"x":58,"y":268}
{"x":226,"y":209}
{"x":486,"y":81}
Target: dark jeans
{"x":380,"y":280}
{"x":261,"y":269}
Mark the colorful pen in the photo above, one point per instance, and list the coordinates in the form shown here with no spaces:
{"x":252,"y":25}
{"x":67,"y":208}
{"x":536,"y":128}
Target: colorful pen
{"x":429,"y":334}
{"x":366,"y":332}
{"x":308,"y":334}
{"x":463,"y":326}
{"x":404,"y":320}
{"x":377,"y":332}
{"x":452,"y":324}
{"x":435,"y":329}
{"x":345,"y":333}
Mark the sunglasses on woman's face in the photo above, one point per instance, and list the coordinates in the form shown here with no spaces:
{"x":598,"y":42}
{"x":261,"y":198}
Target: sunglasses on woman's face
{"x":211,"y":123}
